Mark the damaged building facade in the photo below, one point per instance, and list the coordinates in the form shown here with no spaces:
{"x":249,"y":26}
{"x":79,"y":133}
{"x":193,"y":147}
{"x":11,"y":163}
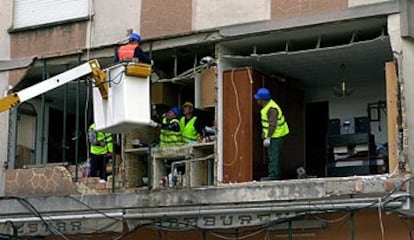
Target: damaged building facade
{"x":341,"y":71}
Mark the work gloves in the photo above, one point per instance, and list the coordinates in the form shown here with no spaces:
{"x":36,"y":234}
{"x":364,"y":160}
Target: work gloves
{"x":266,"y":142}
{"x":153,"y":124}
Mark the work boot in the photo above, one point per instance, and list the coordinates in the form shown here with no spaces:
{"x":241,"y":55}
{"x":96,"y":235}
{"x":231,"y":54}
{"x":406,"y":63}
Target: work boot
{"x":268,"y":178}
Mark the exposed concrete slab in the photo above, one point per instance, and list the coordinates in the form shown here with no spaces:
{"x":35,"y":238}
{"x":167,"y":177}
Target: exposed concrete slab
{"x":240,"y":194}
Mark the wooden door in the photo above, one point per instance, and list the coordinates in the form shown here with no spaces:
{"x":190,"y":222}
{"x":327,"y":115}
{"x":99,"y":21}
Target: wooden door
{"x":239,"y":108}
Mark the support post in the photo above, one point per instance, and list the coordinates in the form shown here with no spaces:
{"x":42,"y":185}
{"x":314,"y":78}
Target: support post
{"x":392,"y":113}
{"x":77,"y":124}
{"x":150,"y":135}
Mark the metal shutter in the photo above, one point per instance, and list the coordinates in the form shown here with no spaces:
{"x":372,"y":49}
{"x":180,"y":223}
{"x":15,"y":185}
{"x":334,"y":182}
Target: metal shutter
{"x":37,"y":12}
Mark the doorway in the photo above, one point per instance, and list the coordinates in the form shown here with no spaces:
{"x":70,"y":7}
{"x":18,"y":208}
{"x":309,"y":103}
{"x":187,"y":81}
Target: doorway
{"x":26,"y":135}
{"x":316,"y":125}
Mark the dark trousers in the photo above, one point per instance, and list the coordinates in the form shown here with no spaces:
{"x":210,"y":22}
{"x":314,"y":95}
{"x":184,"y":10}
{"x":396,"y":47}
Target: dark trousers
{"x":98,"y":166}
{"x":273,"y":153}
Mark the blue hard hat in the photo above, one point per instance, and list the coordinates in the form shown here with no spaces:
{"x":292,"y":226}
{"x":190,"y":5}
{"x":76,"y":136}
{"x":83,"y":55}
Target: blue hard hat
{"x":262,"y":93}
{"x":135,"y":37}
{"x":176,"y":111}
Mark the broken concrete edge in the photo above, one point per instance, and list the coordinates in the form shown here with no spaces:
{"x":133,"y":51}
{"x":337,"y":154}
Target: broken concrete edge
{"x":314,"y":190}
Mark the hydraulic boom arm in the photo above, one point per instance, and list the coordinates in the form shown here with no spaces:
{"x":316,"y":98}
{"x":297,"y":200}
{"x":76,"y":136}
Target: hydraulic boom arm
{"x":91,"y":67}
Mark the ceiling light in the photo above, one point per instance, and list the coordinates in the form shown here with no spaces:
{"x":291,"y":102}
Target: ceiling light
{"x":341,"y":89}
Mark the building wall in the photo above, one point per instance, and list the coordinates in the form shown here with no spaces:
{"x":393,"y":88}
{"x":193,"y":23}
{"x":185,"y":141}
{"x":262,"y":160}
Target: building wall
{"x":293,"y":8}
{"x":112,"y":19}
{"x":5,"y":23}
{"x":165,"y":17}
{"x":216,"y":13}
{"x":50,"y":40}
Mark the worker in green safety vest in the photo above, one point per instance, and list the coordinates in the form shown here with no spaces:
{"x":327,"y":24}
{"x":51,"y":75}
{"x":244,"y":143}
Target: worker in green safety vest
{"x":101,"y":149}
{"x":274,"y":128}
{"x":170,"y":134}
{"x":191,"y":129}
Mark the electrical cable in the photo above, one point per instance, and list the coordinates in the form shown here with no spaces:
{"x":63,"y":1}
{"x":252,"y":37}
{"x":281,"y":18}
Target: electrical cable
{"x":382,"y":201}
{"x":49,"y":227}
{"x":236,"y":131}
{"x":267,"y":235}
{"x":25,"y":203}
{"x":339,"y":219}
{"x":188,"y":74}
{"x":112,"y":80}
{"x":94,"y":209}
{"x":380,"y":219}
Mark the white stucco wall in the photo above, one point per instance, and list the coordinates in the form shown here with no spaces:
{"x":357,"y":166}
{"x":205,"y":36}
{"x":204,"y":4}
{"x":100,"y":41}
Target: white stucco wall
{"x":214,"y":13}
{"x":354,"y":3}
{"x":6,"y":7}
{"x":363,"y":94}
{"x":394,"y":31}
{"x":106,"y":29}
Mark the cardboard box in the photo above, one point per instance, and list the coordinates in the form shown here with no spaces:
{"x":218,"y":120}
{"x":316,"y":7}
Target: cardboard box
{"x":208,"y":88}
{"x":164,"y":93}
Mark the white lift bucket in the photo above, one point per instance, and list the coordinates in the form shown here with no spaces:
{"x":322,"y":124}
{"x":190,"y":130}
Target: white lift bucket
{"x":128,"y":104}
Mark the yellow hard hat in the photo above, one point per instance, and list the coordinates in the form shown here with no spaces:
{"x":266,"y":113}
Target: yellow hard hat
{"x":187,"y":104}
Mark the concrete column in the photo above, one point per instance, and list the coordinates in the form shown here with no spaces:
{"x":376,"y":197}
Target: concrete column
{"x":407,"y":73}
{"x":5,"y":23}
{"x":403,"y":49}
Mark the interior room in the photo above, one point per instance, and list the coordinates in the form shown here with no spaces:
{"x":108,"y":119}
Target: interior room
{"x":330,"y":83}
{"x":57,"y":111}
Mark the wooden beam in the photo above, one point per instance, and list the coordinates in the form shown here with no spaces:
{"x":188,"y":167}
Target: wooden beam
{"x":392,"y":114}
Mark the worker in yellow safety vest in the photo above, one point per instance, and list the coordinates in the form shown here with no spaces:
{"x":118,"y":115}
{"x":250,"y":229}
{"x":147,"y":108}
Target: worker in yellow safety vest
{"x":274,"y":128}
{"x":101,"y":149}
{"x":170,"y":134}
{"x":191,"y":129}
